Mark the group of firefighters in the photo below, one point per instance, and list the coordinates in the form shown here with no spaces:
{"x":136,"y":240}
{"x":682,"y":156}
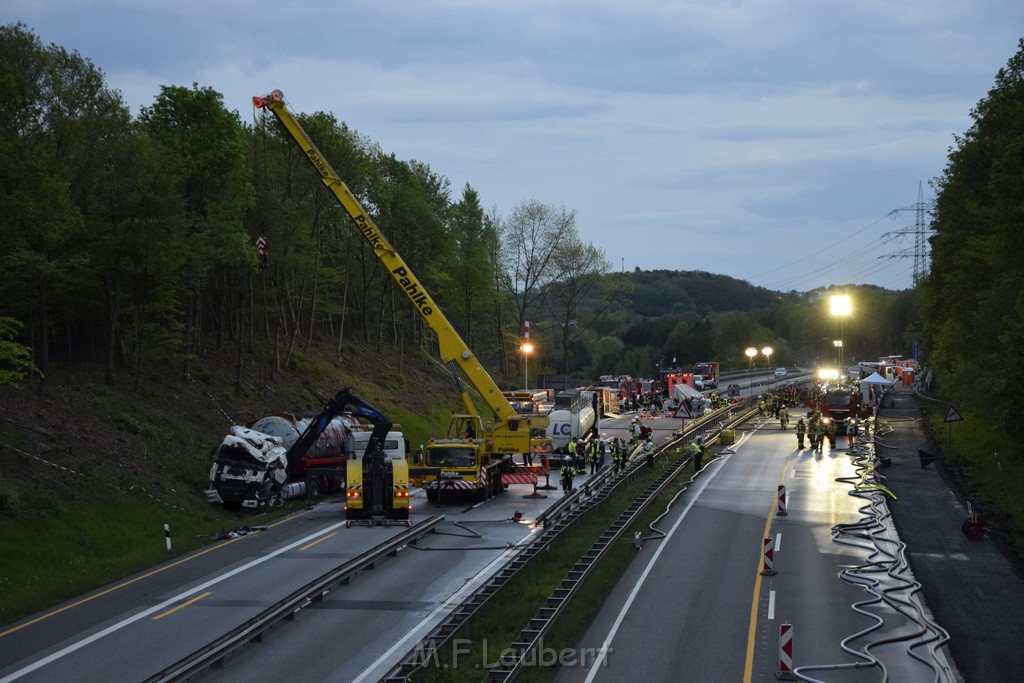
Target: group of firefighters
{"x":819,"y":428}
{"x":579,"y":453}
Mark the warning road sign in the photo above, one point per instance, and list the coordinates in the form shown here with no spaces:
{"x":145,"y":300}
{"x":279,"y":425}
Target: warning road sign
{"x":952,"y":415}
{"x":683,"y":412}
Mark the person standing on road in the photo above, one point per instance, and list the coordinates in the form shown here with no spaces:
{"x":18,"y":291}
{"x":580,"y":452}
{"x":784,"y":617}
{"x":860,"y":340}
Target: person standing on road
{"x":649,"y":452}
{"x":697,"y":453}
{"x":851,"y":429}
{"x":567,"y":472}
{"x":595,"y":454}
{"x":618,"y":454}
{"x":801,"y":430}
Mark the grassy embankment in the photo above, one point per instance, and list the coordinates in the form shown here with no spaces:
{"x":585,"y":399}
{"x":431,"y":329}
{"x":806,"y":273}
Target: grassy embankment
{"x":90,"y":473}
{"x":987,"y":464}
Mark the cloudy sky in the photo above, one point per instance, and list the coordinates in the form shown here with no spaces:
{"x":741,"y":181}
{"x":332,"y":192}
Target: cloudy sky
{"x":770,"y":140}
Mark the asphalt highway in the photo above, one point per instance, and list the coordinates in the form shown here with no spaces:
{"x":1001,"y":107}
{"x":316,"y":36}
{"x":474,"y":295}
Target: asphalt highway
{"x":693,"y":605}
{"x":696,"y":606}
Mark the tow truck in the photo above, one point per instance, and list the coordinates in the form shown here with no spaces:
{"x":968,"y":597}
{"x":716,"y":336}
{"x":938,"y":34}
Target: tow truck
{"x":377,"y":486}
{"x":475,"y":453}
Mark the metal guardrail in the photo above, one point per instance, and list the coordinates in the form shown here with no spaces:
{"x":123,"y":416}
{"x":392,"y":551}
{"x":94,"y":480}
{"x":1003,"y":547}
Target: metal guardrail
{"x":215,"y":652}
{"x":554,"y":520}
{"x":515,"y":658}
{"x":557,"y":519}
{"x":708,"y":426}
{"x":430,"y":648}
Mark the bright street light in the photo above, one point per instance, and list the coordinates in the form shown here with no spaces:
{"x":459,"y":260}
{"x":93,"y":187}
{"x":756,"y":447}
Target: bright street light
{"x":767,"y":351}
{"x":527,"y":349}
{"x":841,"y":307}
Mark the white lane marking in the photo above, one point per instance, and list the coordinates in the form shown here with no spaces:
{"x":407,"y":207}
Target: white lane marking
{"x":771,"y":605}
{"x":448,"y":606}
{"x":604,"y":649}
{"x":162,"y":606}
{"x":778,"y":541}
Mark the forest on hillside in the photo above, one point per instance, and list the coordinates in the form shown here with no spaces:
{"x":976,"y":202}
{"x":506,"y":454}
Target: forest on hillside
{"x":133,"y":239}
{"x":973,"y":297}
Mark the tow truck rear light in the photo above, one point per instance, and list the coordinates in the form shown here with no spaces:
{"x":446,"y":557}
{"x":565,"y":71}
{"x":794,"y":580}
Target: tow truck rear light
{"x":353,"y":494}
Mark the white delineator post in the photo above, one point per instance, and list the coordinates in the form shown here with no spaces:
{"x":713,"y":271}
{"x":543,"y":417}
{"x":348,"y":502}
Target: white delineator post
{"x":782,"y":501}
{"x":167,"y":535}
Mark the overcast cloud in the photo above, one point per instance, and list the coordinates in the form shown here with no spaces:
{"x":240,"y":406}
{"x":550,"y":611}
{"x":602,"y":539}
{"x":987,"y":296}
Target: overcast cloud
{"x":768,"y":140}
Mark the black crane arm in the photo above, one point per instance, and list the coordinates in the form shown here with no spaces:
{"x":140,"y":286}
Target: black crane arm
{"x":335,"y":406}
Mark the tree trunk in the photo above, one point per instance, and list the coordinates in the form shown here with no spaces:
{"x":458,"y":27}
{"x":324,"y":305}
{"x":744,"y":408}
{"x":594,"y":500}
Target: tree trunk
{"x":186,"y":345}
{"x":240,"y":317}
{"x":43,"y":355}
{"x":113,"y":311}
{"x":344,"y":304}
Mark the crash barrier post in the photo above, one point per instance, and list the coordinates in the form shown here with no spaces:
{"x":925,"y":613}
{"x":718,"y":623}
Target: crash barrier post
{"x":785,"y":672}
{"x":768,"y":561}
{"x":782,"y":501}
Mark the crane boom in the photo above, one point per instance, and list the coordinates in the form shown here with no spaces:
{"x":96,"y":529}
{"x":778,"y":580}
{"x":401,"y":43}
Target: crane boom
{"x":511,"y":431}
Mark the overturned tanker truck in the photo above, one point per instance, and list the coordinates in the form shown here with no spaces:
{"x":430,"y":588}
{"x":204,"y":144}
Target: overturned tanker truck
{"x":253,"y":466}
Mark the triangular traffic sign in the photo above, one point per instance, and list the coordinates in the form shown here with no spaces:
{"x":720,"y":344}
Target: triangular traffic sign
{"x":685,"y":412}
{"x":952,"y":415}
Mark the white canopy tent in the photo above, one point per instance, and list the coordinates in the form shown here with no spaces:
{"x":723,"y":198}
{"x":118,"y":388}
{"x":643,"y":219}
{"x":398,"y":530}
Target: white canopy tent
{"x":872,"y":387}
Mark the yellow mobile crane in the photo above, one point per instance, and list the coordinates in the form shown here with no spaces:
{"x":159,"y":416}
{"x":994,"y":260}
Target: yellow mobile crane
{"x":475,"y":454}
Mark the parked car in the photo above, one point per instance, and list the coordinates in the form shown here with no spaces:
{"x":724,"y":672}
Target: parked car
{"x":781,"y":372}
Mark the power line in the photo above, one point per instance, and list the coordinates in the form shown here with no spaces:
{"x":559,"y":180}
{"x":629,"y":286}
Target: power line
{"x":820,"y":251}
{"x":920,"y":249}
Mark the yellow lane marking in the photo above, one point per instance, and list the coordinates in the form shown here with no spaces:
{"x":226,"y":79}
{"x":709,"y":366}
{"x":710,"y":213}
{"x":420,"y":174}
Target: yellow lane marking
{"x":182,"y":605}
{"x":748,"y":666}
{"x":322,"y":538}
{"x":131,"y":581}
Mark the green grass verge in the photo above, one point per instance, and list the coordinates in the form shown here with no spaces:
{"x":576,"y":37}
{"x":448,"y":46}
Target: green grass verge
{"x":991,"y":461}
{"x":81,"y":545}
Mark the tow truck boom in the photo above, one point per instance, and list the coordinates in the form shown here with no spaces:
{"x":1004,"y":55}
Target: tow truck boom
{"x":511,"y":432}
{"x":377,"y":488}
